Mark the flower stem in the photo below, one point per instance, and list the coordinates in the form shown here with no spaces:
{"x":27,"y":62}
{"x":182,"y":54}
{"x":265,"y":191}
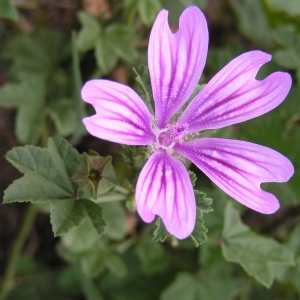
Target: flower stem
{"x":7,"y":283}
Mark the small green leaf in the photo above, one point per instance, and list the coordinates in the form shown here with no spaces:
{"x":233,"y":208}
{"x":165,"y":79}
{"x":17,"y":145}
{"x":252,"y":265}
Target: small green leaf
{"x":94,"y":214}
{"x":134,"y":157}
{"x":203,"y":206}
{"x":143,"y":79}
{"x":160,"y":233}
{"x":62,"y":113}
{"x":30,"y":123}
{"x":8,"y":10}
{"x":114,"y":43}
{"x":106,"y":59}
{"x":252,"y":251}
{"x":120,"y":42}
{"x":193,"y":177}
{"x":89,"y":33}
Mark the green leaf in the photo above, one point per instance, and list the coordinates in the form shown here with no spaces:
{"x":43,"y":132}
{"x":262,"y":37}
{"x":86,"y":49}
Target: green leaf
{"x":250,"y":15}
{"x":114,"y":43}
{"x":176,"y":8}
{"x":116,"y":265}
{"x":80,"y":111}
{"x":289,"y":56}
{"x":94,"y":214}
{"x":193,"y":177}
{"x":46,"y":177}
{"x":34,"y":188}
{"x":252,"y":251}
{"x":115,"y":218}
{"x":152,"y":256}
{"x":62,"y":113}
{"x":28,"y":96}
{"x":90,"y":289}
{"x":134,"y":157}
{"x":143,"y":79}
{"x":89,"y":33}
{"x":47,"y":47}
{"x":65,"y":214}
{"x":290,"y":274}
{"x":42,"y":176}
{"x":30,"y":124}
{"x":120,"y":42}
{"x":78,"y":240}
{"x":106,"y":60}
{"x":8,"y":10}
{"x":148,"y":10}
{"x":290,"y":7}
{"x":203,"y":206}
{"x":29,"y":92}
{"x":215,"y":283}
{"x":65,"y":155}
{"x":160,"y":233}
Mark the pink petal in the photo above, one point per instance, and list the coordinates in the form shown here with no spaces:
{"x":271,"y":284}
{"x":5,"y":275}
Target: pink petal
{"x":234,"y":95}
{"x":164,"y":189}
{"x":121,"y":115}
{"x":238,"y":168}
{"x":176,"y":61}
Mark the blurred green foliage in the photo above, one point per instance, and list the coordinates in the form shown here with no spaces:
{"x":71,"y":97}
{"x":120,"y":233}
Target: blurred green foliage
{"x":108,"y":252}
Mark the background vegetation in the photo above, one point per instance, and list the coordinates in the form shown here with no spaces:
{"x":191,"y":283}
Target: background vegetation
{"x":47,"y":50}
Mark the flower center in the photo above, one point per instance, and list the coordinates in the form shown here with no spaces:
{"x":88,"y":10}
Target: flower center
{"x":165,"y":138}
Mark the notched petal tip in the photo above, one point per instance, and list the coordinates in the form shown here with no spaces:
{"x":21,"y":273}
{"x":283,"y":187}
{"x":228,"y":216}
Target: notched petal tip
{"x":239,"y":168}
{"x":121,"y":115}
{"x":234,"y":94}
{"x":164,"y":189}
{"x":176,"y":61}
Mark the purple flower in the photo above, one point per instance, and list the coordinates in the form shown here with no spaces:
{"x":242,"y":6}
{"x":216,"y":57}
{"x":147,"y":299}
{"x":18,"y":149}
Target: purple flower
{"x":176,"y":62}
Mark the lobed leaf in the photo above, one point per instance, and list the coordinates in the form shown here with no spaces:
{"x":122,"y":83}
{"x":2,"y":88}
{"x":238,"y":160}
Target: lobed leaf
{"x":252,"y":251}
{"x":89,"y":33}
